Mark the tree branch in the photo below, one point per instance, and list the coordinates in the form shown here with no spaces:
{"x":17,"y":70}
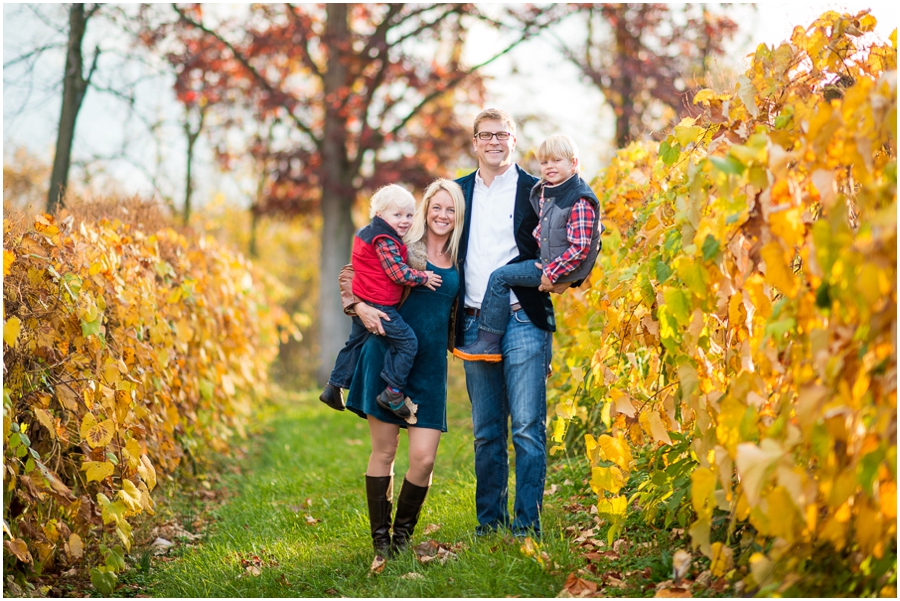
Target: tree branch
{"x":256,"y":74}
{"x":305,"y":55}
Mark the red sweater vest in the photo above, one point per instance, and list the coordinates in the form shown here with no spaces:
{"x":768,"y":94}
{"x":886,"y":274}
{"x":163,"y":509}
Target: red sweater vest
{"x":370,"y":282}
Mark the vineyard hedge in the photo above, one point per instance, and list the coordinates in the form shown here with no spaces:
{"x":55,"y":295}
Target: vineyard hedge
{"x":125,"y":354}
{"x":740,"y":331}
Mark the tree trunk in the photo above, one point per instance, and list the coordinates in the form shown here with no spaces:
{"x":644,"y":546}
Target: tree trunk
{"x":74,"y":87}
{"x":192,"y":135}
{"x":337,"y":198}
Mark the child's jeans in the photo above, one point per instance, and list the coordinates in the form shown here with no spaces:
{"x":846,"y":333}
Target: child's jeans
{"x":398,"y":360}
{"x":495,"y":305}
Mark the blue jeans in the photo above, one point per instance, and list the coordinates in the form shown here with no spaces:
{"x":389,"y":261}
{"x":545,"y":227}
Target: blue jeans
{"x":495,"y":305}
{"x":398,"y":360}
{"x":513,"y":391}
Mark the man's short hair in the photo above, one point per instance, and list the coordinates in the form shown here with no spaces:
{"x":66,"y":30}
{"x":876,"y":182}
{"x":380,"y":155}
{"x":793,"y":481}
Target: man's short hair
{"x":557,"y":146}
{"x":391,"y":195}
{"x":496,"y":115}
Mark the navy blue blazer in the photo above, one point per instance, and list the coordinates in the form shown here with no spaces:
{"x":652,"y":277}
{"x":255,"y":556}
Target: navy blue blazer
{"x":537,"y":305}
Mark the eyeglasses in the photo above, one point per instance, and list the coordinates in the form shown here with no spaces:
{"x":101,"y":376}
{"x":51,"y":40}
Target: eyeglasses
{"x":486,"y":135}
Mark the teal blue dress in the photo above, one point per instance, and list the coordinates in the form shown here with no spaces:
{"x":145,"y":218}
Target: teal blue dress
{"x":428,"y":314}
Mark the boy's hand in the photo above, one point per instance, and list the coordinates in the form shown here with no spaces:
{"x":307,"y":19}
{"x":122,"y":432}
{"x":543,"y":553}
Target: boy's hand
{"x":434,"y":280}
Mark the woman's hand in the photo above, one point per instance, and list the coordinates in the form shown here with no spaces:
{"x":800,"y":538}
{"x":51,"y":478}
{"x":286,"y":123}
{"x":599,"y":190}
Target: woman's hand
{"x":434,"y":280}
{"x":371,"y":317}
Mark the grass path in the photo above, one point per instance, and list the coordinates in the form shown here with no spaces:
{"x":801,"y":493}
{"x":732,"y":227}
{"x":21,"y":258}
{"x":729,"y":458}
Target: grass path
{"x":307,"y":451}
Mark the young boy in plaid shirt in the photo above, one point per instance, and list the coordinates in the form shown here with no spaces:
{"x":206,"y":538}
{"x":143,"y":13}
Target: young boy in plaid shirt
{"x":380,"y":273}
{"x":568,"y":234}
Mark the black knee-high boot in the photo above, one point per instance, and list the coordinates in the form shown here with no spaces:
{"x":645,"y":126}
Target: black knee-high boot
{"x":380,"y":495}
{"x":409,"y":504}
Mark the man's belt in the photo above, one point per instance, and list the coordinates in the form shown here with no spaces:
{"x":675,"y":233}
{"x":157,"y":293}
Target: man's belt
{"x":477,"y":312}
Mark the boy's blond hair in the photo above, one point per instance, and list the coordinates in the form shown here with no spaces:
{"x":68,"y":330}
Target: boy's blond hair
{"x":391,"y":195}
{"x":557,"y":146}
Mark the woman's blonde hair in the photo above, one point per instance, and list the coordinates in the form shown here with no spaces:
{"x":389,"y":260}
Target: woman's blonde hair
{"x":557,"y":146}
{"x":418,"y":229}
{"x":391,"y":195}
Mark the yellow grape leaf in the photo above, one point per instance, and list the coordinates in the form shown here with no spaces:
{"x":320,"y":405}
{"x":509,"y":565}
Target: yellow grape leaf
{"x":132,"y":452}
{"x":75,"y":548}
{"x":615,"y":450}
{"x":753,"y":462}
{"x":888,"y":493}
{"x":46,"y":420}
{"x":703,"y":485}
{"x":44,"y":224}
{"x":111,"y":511}
{"x":147,"y":472}
{"x":608,"y":479}
{"x":778,"y":272}
{"x":686,"y":132}
{"x":622,"y":402}
{"x":146,"y":501}
{"x":788,"y":225}
{"x":97,"y":470}
{"x":699,"y":532}
{"x":11,"y":329}
{"x":613,"y":507}
{"x":130,"y":496}
{"x":761,"y":567}
{"x":592,"y":449}
{"x":123,"y":404}
{"x":97,"y":435}
{"x":653,"y":425}
{"x":722,"y":559}
{"x":8,"y":258}
{"x":782,"y":514}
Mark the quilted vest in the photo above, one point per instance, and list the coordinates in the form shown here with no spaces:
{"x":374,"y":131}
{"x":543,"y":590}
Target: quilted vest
{"x":558,"y":203}
{"x":370,"y":282}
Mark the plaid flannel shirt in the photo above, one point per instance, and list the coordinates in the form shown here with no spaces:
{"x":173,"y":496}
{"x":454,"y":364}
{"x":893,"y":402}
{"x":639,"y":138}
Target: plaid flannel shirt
{"x":399,"y":272}
{"x":578,"y":232}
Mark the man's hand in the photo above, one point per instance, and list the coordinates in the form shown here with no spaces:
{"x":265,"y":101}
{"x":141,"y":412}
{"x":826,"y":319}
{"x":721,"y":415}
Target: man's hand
{"x":371,"y":317}
{"x":434,"y":280}
{"x":557,"y":288}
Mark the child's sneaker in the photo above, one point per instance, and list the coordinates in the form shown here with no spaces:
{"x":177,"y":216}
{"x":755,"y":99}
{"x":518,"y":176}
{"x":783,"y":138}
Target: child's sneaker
{"x":333,"y":397}
{"x":480,"y":350}
{"x":391,"y":399}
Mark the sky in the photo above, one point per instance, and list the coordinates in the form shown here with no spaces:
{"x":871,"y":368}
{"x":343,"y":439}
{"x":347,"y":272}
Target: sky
{"x":518,"y":82}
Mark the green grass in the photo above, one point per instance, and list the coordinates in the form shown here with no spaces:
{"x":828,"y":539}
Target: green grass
{"x":306,"y":451}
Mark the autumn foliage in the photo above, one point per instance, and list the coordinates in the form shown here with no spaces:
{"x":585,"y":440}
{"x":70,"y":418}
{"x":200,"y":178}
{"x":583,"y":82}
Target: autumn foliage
{"x":740,"y":330}
{"x":126,"y":354}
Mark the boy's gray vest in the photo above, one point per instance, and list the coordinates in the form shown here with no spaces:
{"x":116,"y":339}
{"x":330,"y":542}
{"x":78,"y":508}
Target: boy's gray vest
{"x":558,"y":203}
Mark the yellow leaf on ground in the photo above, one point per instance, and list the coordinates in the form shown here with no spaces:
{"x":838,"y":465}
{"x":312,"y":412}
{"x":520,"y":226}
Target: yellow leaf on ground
{"x":11,"y":329}
{"x":75,"y":548}
{"x":18,"y":548}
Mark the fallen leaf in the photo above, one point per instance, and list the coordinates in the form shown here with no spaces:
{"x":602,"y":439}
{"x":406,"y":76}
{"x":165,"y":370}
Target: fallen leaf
{"x":681,"y":562}
{"x":354,"y":442}
{"x":377,"y":565}
{"x":577,"y":587}
{"x":673,"y":592}
{"x":412,"y":576}
{"x":18,"y":548}
{"x":431,"y":528}
{"x":310,"y":519}
{"x":283,"y":581}
{"x":412,"y":419}
{"x":253,"y":570}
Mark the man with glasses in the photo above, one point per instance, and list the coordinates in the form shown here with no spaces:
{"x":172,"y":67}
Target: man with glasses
{"x":498,"y":229}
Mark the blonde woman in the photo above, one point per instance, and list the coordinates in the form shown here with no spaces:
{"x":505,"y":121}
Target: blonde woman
{"x":433,"y":243}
